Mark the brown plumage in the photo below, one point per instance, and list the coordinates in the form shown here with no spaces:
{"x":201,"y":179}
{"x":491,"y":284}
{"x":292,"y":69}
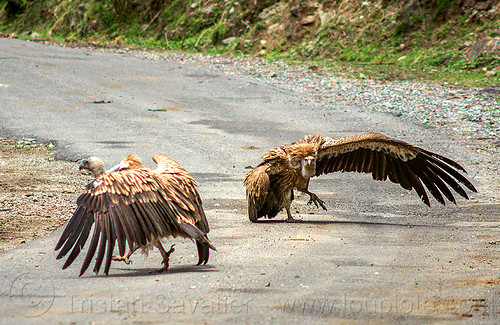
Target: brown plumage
{"x":270,"y":185}
{"x":133,"y":206}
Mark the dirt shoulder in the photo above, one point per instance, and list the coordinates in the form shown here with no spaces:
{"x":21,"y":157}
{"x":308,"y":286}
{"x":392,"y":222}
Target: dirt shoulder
{"x":37,"y":192}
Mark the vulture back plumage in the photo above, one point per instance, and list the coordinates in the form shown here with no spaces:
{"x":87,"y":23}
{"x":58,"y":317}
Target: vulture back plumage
{"x":135,"y":207}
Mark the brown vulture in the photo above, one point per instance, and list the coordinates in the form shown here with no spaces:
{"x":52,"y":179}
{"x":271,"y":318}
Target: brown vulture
{"x":133,"y":206}
{"x":270,"y":185}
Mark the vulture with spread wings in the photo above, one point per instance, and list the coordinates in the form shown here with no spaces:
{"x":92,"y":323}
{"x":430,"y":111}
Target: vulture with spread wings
{"x":133,"y":206}
{"x":270,"y":185}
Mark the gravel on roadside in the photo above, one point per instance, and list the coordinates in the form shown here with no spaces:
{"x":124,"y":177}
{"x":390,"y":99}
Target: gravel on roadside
{"x":37,"y":192}
{"x":471,"y":113}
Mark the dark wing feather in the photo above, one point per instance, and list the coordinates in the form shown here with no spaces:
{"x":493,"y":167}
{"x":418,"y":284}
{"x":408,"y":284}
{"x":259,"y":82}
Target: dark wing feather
{"x":183,"y":190}
{"x":111,"y":236}
{"x":445,"y":165}
{"x":401,"y":163}
{"x":84,"y":234}
{"x":70,"y":233}
{"x":187,"y":203}
{"x":130,"y":207}
{"x":433,"y":173}
{"x":102,"y":247}
{"x":92,"y":247}
{"x":117,"y":228}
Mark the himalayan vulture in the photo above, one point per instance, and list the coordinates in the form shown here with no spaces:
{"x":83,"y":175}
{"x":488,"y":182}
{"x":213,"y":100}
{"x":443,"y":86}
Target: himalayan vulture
{"x":133,"y":206}
{"x":270,"y":185}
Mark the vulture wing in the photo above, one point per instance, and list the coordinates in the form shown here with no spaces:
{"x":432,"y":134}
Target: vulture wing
{"x":185,"y":189}
{"x":257,"y":183}
{"x":131,"y":207}
{"x":185,"y":192}
{"x":387,"y":158}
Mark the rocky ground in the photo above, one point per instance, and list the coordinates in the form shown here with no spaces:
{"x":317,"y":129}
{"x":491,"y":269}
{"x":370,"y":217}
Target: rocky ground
{"x":37,"y":192}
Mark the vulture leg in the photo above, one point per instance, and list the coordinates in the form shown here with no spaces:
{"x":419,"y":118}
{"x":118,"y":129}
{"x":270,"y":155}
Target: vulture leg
{"x":290,"y":219}
{"x":165,"y":256}
{"x":316,"y":200}
{"x":126,"y":257}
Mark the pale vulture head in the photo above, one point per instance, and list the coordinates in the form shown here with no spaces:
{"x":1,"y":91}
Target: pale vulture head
{"x":94,"y":164}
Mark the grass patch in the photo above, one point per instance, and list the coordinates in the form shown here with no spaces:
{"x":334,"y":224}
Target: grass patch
{"x":385,"y":39}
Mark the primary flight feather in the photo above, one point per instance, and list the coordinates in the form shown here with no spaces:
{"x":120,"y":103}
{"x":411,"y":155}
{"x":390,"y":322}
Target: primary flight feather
{"x":135,"y":207}
{"x":270,"y":185}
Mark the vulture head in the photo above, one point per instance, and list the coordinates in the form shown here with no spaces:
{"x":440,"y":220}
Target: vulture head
{"x":94,"y":164}
{"x":308,"y":166}
{"x":302,"y":158}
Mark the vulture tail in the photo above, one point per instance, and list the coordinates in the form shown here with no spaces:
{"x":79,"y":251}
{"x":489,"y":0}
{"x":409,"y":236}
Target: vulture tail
{"x":203,"y":252}
{"x":202,"y":242}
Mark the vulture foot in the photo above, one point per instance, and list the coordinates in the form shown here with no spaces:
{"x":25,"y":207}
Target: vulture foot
{"x":124,"y":258}
{"x":166,"y":256}
{"x":316,"y":200}
{"x":290,"y":219}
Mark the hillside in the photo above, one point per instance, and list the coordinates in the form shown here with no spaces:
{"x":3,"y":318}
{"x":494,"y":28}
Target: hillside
{"x":442,"y":40}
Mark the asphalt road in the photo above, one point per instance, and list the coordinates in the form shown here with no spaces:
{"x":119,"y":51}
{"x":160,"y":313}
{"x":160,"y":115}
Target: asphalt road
{"x":377,"y":255}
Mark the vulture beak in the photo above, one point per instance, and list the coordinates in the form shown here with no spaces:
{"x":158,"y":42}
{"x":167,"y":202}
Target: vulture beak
{"x":83,"y":165}
{"x":309,"y":167}
{"x":309,"y":161}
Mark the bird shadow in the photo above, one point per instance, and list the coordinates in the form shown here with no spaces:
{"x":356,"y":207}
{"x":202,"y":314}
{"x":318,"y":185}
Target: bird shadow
{"x":143,"y":272}
{"x":370,"y":223}
{"x":333,"y":222}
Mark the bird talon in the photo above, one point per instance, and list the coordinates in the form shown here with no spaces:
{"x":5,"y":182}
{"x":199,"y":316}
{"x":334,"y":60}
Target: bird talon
{"x":317,"y":201}
{"x":166,"y":258}
{"x":123,"y":258}
{"x":311,"y":201}
{"x":163,"y":269}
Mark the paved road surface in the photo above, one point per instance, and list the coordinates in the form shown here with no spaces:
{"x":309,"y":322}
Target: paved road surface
{"x":377,"y":255}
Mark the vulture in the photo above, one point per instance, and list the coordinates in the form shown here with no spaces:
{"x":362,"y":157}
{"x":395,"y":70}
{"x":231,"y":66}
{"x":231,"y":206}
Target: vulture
{"x":133,"y":206}
{"x":270,"y":185}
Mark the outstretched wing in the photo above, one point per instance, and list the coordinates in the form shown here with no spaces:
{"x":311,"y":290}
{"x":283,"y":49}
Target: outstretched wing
{"x":131,"y":207}
{"x":387,"y":158}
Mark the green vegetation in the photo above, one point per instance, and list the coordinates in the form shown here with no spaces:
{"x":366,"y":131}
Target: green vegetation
{"x":384,"y":39}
